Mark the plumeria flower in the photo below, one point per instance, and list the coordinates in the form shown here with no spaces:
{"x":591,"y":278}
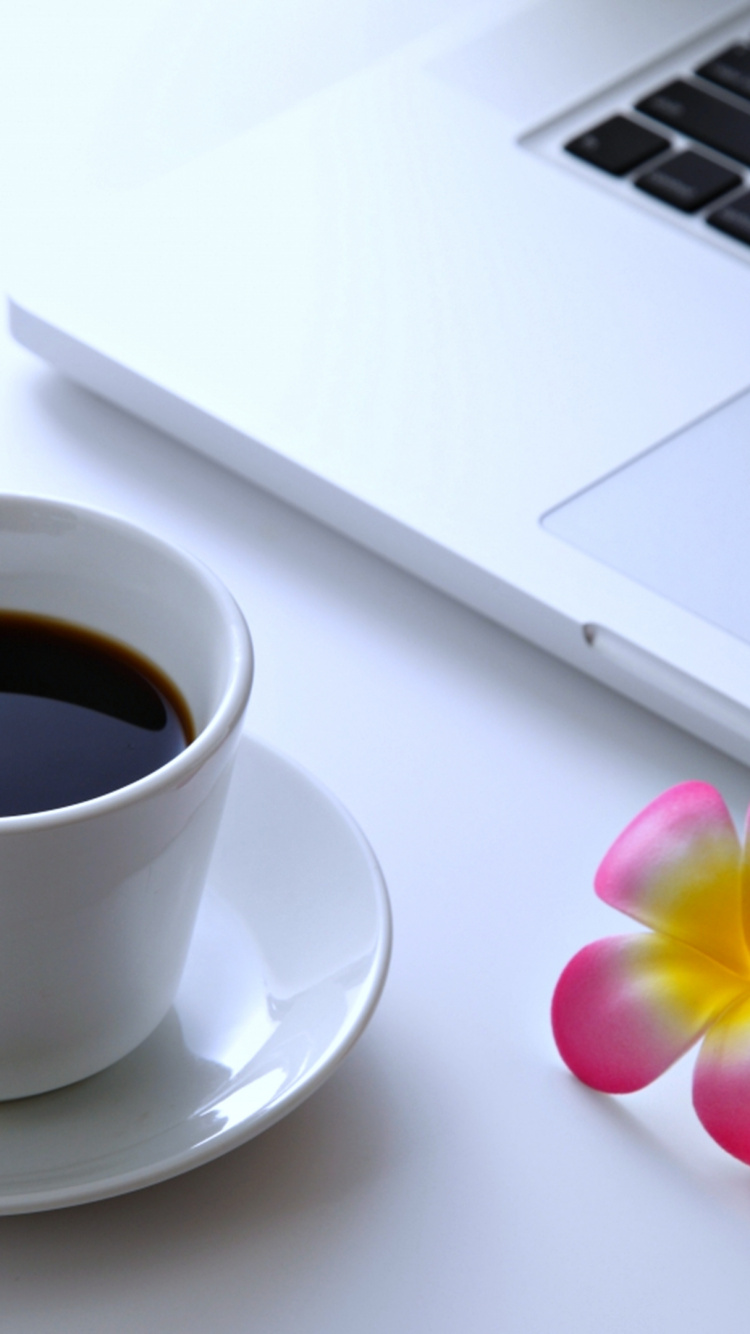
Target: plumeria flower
{"x":627,"y":1007}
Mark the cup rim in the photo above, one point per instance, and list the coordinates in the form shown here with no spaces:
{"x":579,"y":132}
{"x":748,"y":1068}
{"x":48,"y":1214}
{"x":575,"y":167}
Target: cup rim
{"x":225,"y":717}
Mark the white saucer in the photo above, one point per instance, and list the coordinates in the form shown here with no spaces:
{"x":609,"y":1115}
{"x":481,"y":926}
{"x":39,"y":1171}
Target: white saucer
{"x":287,"y":964}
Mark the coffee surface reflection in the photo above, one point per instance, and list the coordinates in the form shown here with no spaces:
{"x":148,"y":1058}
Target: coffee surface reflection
{"x":80,"y":715}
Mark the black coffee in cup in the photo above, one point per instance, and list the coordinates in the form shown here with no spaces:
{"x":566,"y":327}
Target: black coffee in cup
{"x":80,"y":715}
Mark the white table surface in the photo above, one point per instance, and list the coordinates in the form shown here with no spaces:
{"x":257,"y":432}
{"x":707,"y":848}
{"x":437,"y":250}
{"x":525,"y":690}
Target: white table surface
{"x":451,"y":1175}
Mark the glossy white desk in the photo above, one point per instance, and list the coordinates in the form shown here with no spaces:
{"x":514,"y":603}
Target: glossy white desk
{"x":451,"y":1176}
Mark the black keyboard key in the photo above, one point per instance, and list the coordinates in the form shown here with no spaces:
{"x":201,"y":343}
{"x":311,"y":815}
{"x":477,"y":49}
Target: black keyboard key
{"x":730,"y":69}
{"x":688,"y":181}
{"x":734,"y":218}
{"x":701,"y":116}
{"x":618,"y":145}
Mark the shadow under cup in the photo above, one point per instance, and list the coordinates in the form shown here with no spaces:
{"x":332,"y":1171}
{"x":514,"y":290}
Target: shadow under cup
{"x":98,"y":900}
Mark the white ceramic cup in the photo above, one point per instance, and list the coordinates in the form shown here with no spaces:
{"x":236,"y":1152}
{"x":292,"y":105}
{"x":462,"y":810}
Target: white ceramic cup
{"x":98,"y":900}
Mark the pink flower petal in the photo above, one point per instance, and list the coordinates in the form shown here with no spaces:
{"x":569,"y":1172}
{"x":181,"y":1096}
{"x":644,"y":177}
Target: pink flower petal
{"x":676,"y":868}
{"x":626,"y":1008}
{"x":721,"y":1083}
{"x":745,"y":880}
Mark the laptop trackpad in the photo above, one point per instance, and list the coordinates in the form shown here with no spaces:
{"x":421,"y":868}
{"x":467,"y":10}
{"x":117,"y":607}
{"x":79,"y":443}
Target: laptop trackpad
{"x":677,"y":519}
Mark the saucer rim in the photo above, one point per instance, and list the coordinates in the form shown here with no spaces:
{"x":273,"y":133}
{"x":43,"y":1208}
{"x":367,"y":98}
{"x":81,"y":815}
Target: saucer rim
{"x":308,"y":1083}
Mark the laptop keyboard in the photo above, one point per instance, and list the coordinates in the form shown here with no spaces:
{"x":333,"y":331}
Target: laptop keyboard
{"x":710,"y":109}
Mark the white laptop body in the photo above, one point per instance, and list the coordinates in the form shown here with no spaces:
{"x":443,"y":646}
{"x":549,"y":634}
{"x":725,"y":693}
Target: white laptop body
{"x":339,"y":246}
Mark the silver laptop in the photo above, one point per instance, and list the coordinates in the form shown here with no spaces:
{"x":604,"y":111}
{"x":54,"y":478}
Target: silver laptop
{"x":469,"y":282}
